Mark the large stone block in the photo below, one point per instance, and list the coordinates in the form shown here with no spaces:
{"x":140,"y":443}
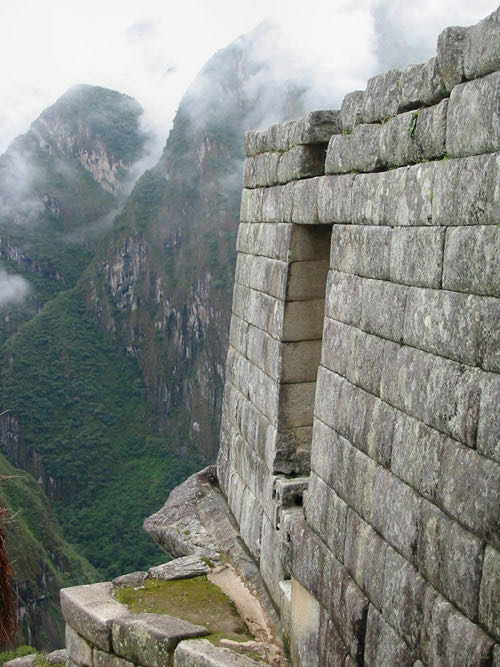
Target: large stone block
{"x":450,"y":558}
{"x":364,"y":557}
{"x":261,"y":273}
{"x":361,"y":250}
{"x":301,"y":162}
{"x":471,"y":260}
{"x":403,"y":597}
{"x":488,"y":438}
{"x":351,"y":111}
{"x":417,"y":454}
{"x":305,"y":201}
{"x":476,"y":178}
{"x":326,"y":513}
{"x":259,"y":309}
{"x":382,"y":96}
{"x":332,"y":649}
{"x":348,"y":471}
{"x":473,"y":122}
{"x":437,"y":391}
{"x":421,"y":85}
{"x":335,"y":198}
{"x":344,"y":297}
{"x":271,"y":561}
{"x":202,"y":653}
{"x":316,"y":127}
{"x":449,"y":638}
{"x":268,"y":240}
{"x":468,"y":490}
{"x":303,"y":320}
{"x":450,"y":55}
{"x":79,"y":650}
{"x":383,"y":646}
{"x":150,"y":639}
{"x":413,"y":136}
{"x":395,"y":513}
{"x":359,"y":152}
{"x":306,"y":280}
{"x":482,"y":47}
{"x":383,"y":309}
{"x":251,"y":523}
{"x":489,"y":601}
{"x":254,"y":141}
{"x":489,"y":335}
{"x":338,"y":155}
{"x":251,"y":205}
{"x":305,"y":622}
{"x":102,"y":659}
{"x":445,"y":323}
{"x":277,"y":203}
{"x":90,"y":610}
{"x":416,"y":256}
{"x":261,"y":170}
{"x":296,"y":404}
{"x":300,"y":361}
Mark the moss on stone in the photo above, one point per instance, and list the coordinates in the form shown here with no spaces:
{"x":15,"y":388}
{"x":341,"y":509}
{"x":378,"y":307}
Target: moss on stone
{"x":196,"y":600}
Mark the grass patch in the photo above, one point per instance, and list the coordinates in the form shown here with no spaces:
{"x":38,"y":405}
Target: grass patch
{"x":196,"y":600}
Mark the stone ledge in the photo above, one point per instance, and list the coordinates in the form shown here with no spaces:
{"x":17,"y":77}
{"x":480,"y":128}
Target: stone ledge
{"x":202,"y":653}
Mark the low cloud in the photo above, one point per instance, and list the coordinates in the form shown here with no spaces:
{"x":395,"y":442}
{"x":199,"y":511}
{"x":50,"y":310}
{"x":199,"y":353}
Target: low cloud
{"x":13,"y":288}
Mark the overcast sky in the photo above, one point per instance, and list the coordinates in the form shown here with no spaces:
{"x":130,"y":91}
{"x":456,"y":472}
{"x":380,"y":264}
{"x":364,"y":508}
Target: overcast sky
{"x":152,"y":49}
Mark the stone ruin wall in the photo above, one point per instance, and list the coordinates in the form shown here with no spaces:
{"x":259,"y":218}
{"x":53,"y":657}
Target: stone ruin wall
{"x":359,"y":444}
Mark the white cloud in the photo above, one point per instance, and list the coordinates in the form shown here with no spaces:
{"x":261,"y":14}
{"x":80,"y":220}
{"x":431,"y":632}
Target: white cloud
{"x":152,"y":50}
{"x":13,"y":288}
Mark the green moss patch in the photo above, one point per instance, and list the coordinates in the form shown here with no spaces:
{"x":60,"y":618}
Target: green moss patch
{"x":196,"y":600}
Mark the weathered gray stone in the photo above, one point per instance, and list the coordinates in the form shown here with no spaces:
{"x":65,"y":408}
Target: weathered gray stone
{"x":439,"y":392}
{"x":202,"y":653}
{"x":489,"y":600}
{"x":180,"y":568}
{"x":395,"y":513}
{"x":274,"y":202}
{"x":364,"y":557}
{"x":305,"y":624}
{"x":469,"y":490}
{"x":349,"y":472}
{"x":79,"y":650}
{"x":417,"y":453}
{"x":382,"y":96}
{"x":305,"y":201}
{"x":306,"y":280}
{"x":90,"y":609}
{"x":331,"y":647}
{"x":296,"y":404}
{"x":383,"y":309}
{"x":361,"y":250}
{"x":251,"y":205}
{"x":353,"y":354}
{"x":351,"y":112}
{"x":343,"y":297}
{"x":265,"y":239}
{"x":150,"y":639}
{"x":338,"y":155}
{"x":56,"y":657}
{"x":445,"y":323}
{"x":417,"y":256}
{"x":303,"y":320}
{"x":473,"y":121}
{"x":134,"y":579}
{"x":471,"y":260}
{"x":476,"y":178}
{"x":482,"y":50}
{"x":261,"y":170}
{"x":316,"y":127}
{"x":403,"y":597}
{"x":254,"y":141}
{"x":301,"y":162}
{"x":300,"y":361}
{"x":368,"y":201}
{"x":409,"y":195}
{"x":496,"y":656}
{"x":450,"y":558}
{"x":383,"y":646}
{"x":102,"y":659}
{"x":263,"y":274}
{"x":450,"y":55}
{"x":251,"y":523}
{"x":421,"y":85}
{"x":326,"y":513}
{"x":449,"y":638}
{"x":271,"y":562}
{"x":489,"y":335}
{"x":335,"y":198}
{"x":413,"y":136}
{"x":23,"y":661}
{"x":261,"y":310}
{"x":488,"y":440}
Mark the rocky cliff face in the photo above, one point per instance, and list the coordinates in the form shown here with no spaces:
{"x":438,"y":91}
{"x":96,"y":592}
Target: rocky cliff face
{"x":162,"y":286}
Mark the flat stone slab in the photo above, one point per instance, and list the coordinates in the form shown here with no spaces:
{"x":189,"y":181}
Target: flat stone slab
{"x":181,"y":568}
{"x":90,"y":609}
{"x":54,"y":658}
{"x":150,"y":639}
{"x":202,"y":653}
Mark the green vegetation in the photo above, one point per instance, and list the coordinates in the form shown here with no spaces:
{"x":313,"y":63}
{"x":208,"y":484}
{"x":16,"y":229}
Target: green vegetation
{"x":196,"y":600}
{"x":83,"y":409}
{"x":17,"y":652}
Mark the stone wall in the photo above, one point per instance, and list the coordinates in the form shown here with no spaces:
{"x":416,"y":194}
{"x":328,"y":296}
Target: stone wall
{"x":359,"y":444}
